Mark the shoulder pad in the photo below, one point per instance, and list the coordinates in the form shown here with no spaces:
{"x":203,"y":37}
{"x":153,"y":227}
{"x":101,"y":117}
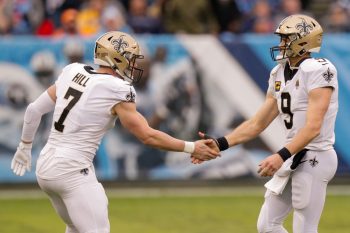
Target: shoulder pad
{"x":275,"y":69}
{"x":316,"y":65}
{"x":71,"y":66}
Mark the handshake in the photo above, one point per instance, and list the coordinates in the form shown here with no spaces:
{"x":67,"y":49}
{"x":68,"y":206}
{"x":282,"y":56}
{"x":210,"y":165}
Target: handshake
{"x":208,"y":148}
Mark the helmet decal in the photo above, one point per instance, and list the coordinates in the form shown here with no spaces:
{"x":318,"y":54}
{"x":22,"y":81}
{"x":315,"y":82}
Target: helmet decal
{"x":303,"y":27}
{"x":120,"y":44}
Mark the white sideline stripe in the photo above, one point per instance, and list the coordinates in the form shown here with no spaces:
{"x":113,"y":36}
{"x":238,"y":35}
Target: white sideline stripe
{"x":232,"y":80}
{"x":334,"y":190}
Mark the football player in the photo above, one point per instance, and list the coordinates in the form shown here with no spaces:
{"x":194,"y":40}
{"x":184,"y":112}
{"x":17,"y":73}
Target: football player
{"x":86,"y":103}
{"x":303,"y":92}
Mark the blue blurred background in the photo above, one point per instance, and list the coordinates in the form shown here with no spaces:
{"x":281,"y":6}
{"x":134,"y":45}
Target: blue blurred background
{"x":206,"y":68}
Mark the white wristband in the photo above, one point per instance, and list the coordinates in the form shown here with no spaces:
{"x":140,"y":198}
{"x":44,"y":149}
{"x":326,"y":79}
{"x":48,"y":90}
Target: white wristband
{"x":25,"y":146}
{"x":189,"y":147}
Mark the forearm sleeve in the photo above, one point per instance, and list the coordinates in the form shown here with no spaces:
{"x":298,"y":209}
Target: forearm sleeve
{"x":32,"y":117}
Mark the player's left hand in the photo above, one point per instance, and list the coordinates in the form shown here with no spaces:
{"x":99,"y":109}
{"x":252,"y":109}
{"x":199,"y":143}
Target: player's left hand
{"x":270,"y":165}
{"x":22,"y":160}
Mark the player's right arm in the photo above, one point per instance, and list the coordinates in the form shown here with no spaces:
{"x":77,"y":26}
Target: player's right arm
{"x":249,"y":129}
{"x":136,"y":124}
{"x":43,"y":104}
{"x":255,"y":125}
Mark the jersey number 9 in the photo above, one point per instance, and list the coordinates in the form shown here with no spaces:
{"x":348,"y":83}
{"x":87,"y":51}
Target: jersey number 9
{"x":285,"y":107}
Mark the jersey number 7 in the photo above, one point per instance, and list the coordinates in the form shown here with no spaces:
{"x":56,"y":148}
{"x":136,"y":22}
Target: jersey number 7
{"x":59,"y":126}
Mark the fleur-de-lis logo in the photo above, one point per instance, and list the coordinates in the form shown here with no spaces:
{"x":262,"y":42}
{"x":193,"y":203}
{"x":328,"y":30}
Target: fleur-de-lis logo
{"x":313,"y":162}
{"x":119,"y":44}
{"x":303,"y":27}
{"x":130,"y":97}
{"x":328,"y":75}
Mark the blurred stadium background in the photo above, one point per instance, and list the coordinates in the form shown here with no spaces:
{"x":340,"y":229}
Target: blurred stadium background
{"x":206,"y":68}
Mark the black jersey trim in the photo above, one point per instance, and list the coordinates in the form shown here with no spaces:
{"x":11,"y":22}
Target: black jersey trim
{"x":289,"y":73}
{"x":89,"y":69}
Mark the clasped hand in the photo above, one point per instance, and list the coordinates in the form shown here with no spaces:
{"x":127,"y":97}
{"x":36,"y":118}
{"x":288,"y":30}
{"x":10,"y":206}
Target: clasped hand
{"x":207,"y":150}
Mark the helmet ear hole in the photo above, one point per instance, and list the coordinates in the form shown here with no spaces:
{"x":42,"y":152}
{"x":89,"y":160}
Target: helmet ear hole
{"x":117,"y":60}
{"x":302,"y":52}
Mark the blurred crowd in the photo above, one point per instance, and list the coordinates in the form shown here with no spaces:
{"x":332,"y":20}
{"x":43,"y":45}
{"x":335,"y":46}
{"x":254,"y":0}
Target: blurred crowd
{"x":92,"y":17}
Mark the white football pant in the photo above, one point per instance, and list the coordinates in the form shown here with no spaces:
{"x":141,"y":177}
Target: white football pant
{"x":80,"y":201}
{"x":305,"y":193}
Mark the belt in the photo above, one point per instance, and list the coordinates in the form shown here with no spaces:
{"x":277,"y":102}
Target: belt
{"x":297,"y":158}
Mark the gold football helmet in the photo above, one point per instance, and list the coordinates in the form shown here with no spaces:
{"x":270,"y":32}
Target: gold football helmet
{"x":303,"y":34}
{"x":119,"y":51}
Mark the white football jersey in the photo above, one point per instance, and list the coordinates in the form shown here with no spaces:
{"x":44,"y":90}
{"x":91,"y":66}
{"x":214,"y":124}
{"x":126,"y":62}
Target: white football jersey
{"x":292,"y":98}
{"x":83,"y":110}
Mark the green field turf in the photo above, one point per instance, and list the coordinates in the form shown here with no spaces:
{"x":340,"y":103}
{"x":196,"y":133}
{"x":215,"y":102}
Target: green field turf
{"x":166,"y":214}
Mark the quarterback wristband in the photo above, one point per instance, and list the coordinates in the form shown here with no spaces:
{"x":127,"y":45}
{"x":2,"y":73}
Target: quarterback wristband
{"x":222,"y":143}
{"x":284,"y":153}
{"x":189,"y":147}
